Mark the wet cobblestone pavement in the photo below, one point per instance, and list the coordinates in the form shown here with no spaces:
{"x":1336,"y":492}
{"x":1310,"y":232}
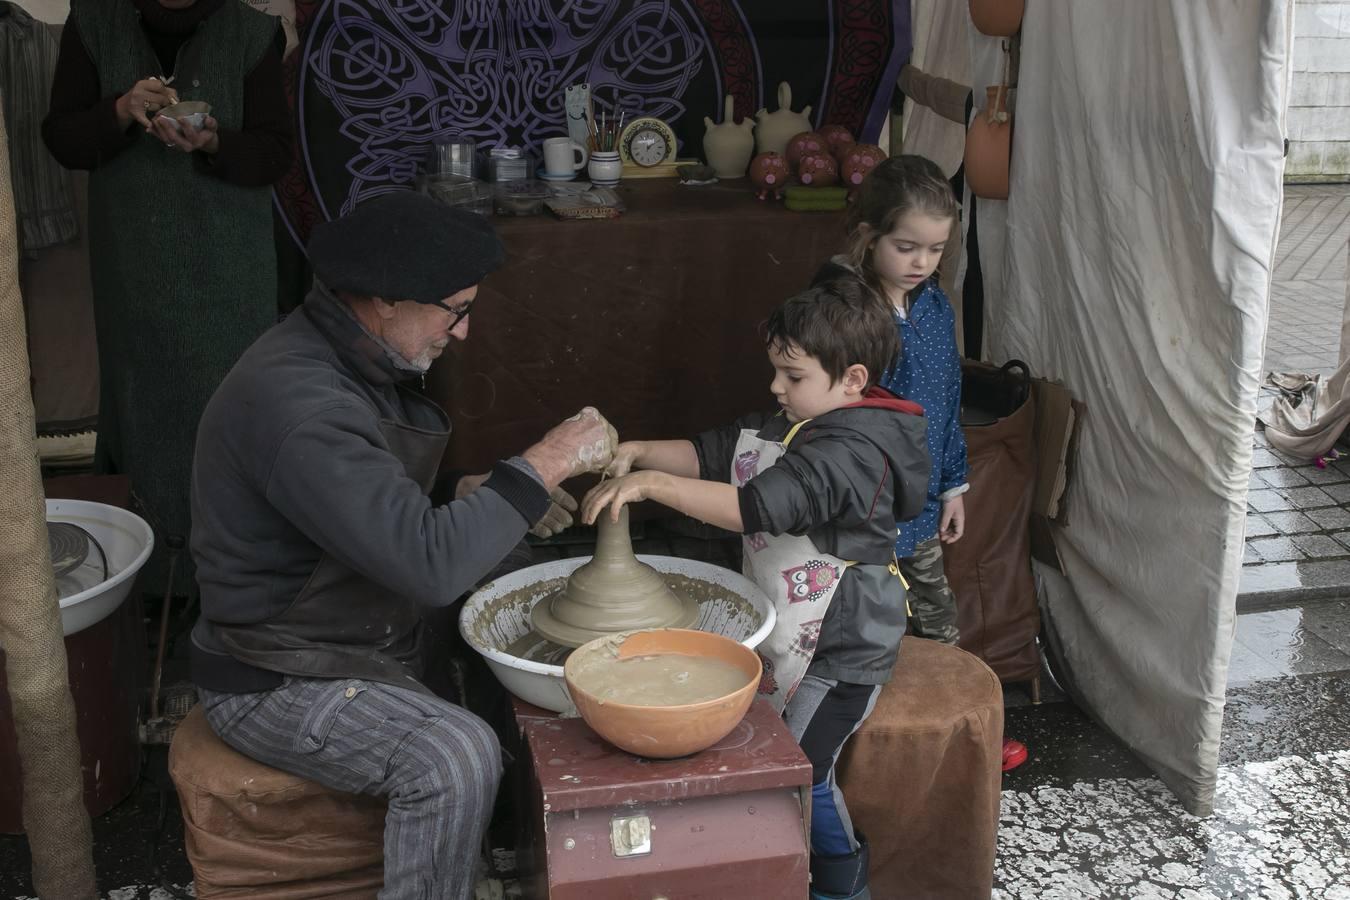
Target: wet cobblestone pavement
{"x":1084,"y":818}
{"x":1298,"y":530}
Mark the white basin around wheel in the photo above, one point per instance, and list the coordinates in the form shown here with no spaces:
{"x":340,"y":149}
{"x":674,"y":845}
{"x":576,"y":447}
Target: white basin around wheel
{"x":498,"y":615}
{"x":125,"y":538}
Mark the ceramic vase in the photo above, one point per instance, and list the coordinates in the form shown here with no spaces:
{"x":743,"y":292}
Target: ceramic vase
{"x":817,"y":170}
{"x":801,"y":144}
{"x":605,"y":168}
{"x":729,"y":146}
{"x":769,"y":173}
{"x":989,"y":147}
{"x":774,"y":129}
{"x":997,"y":18}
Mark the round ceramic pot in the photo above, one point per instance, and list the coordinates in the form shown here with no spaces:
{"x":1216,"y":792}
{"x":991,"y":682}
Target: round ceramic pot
{"x":769,"y":174}
{"x":817,"y":170}
{"x":802,"y":144}
{"x":836,"y":136}
{"x":856,"y":161}
{"x":605,"y":168}
{"x":988,"y":154}
{"x":997,"y":18}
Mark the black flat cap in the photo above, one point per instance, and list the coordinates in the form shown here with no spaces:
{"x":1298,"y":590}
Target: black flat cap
{"x":405,"y":246}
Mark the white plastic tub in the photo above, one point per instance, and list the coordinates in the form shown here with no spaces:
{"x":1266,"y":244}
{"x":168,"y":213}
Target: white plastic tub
{"x":126,"y":539}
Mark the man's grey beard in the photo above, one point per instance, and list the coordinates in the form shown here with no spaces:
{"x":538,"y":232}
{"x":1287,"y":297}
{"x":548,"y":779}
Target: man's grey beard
{"x":418,"y":366}
{"x":422,"y":363}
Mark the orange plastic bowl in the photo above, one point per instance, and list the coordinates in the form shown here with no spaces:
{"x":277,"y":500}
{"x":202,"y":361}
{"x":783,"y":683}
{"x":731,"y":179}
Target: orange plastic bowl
{"x":665,"y":732}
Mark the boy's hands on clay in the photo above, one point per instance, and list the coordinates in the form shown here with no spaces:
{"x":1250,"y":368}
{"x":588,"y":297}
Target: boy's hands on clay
{"x":953,"y":523}
{"x":559,"y":515}
{"x":584,"y":443}
{"x":616,"y":493}
{"x":625,"y":458}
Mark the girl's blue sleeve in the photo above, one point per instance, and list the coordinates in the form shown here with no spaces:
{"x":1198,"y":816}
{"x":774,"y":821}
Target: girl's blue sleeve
{"x":953,"y":461}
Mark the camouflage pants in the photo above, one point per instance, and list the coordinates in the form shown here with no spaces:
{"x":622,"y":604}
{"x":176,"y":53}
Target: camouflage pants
{"x":932,"y":605}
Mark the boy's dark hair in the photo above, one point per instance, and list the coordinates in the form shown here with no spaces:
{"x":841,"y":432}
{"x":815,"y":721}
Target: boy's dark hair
{"x":840,"y":322}
{"x":896,"y":187}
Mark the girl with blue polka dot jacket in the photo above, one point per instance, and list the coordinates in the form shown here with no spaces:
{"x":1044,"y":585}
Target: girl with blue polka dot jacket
{"x":898,"y":226}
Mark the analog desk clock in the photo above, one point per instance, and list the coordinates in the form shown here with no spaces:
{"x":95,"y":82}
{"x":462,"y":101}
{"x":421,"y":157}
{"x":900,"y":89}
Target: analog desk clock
{"x":647,"y":142}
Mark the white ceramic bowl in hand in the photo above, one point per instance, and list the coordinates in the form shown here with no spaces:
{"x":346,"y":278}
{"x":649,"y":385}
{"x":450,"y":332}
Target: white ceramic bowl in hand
{"x":193,"y":112}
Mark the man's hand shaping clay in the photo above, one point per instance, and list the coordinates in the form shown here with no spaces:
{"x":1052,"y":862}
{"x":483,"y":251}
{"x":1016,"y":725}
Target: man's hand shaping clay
{"x":584,"y":443}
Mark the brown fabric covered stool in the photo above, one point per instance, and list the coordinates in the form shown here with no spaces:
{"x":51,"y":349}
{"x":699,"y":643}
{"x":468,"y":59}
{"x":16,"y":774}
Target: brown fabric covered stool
{"x":922,"y":776}
{"x":257,"y":832}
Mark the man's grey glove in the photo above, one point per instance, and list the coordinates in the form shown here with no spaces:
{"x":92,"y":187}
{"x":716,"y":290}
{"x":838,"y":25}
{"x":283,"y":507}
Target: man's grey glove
{"x":559,"y":515}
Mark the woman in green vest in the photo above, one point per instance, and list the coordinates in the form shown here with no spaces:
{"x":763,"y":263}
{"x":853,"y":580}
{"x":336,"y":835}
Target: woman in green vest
{"x":180,"y":221}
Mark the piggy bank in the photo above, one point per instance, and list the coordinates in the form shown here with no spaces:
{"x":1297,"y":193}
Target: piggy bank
{"x":835,"y":136}
{"x":801,"y":144}
{"x":769,"y":173}
{"x":817,"y":169}
{"x":856,"y":161}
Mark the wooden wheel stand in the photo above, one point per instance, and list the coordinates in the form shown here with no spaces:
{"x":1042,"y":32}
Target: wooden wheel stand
{"x":601,"y":824}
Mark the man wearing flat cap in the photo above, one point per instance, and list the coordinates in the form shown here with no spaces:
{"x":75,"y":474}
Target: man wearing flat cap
{"x":321,"y":534}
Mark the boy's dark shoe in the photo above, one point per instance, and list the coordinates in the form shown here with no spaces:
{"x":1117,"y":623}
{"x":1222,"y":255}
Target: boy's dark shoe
{"x":841,"y":877}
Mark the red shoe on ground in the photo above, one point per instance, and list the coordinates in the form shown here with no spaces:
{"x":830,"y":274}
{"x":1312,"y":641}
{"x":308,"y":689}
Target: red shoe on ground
{"x":1014,"y":754}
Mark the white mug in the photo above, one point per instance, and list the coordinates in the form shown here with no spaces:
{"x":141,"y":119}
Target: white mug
{"x":561,"y":156}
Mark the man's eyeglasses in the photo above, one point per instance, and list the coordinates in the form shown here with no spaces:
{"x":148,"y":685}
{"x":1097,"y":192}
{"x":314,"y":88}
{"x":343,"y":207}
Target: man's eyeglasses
{"x":458,"y":312}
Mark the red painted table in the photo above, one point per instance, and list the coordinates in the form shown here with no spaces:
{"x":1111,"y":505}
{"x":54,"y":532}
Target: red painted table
{"x":602,"y":824}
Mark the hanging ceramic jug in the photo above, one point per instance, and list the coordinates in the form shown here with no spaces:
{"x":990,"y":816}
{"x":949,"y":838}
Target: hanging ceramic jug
{"x":774,"y":129}
{"x":997,"y":18}
{"x":989,"y":146}
{"x":729,"y":146}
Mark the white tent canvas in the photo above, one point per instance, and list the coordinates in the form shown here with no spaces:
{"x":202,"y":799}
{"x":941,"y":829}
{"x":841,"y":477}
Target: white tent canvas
{"x":1132,"y":261}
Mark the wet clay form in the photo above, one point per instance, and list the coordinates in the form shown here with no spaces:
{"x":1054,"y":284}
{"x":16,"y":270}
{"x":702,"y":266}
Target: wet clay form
{"x":613,"y":592}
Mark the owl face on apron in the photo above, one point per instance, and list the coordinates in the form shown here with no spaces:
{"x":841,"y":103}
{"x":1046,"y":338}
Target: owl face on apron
{"x":810,"y":581}
{"x":798,"y":578}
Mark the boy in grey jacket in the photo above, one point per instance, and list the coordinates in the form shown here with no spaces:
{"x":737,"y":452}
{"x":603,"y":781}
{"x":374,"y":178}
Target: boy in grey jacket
{"x":816,"y":488}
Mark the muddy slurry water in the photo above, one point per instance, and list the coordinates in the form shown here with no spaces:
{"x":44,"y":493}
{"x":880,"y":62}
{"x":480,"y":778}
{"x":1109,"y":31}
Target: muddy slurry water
{"x":667,"y":679}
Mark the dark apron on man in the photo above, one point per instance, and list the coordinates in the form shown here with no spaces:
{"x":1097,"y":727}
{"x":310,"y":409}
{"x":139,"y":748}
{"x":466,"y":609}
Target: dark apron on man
{"x":342,"y":624}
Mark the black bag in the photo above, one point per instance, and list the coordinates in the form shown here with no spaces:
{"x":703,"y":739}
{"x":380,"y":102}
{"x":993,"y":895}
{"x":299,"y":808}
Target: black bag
{"x":989,"y":394}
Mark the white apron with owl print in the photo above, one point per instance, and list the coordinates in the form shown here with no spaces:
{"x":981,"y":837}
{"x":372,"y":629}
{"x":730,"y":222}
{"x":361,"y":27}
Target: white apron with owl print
{"x":797,"y":577}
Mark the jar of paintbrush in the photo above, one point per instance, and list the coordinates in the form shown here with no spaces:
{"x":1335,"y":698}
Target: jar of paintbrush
{"x":605,"y":167}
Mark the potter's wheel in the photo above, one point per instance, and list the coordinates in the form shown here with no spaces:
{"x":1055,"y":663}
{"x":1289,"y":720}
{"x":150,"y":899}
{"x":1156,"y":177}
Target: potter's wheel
{"x":613,"y":592}
{"x":496,"y":620}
